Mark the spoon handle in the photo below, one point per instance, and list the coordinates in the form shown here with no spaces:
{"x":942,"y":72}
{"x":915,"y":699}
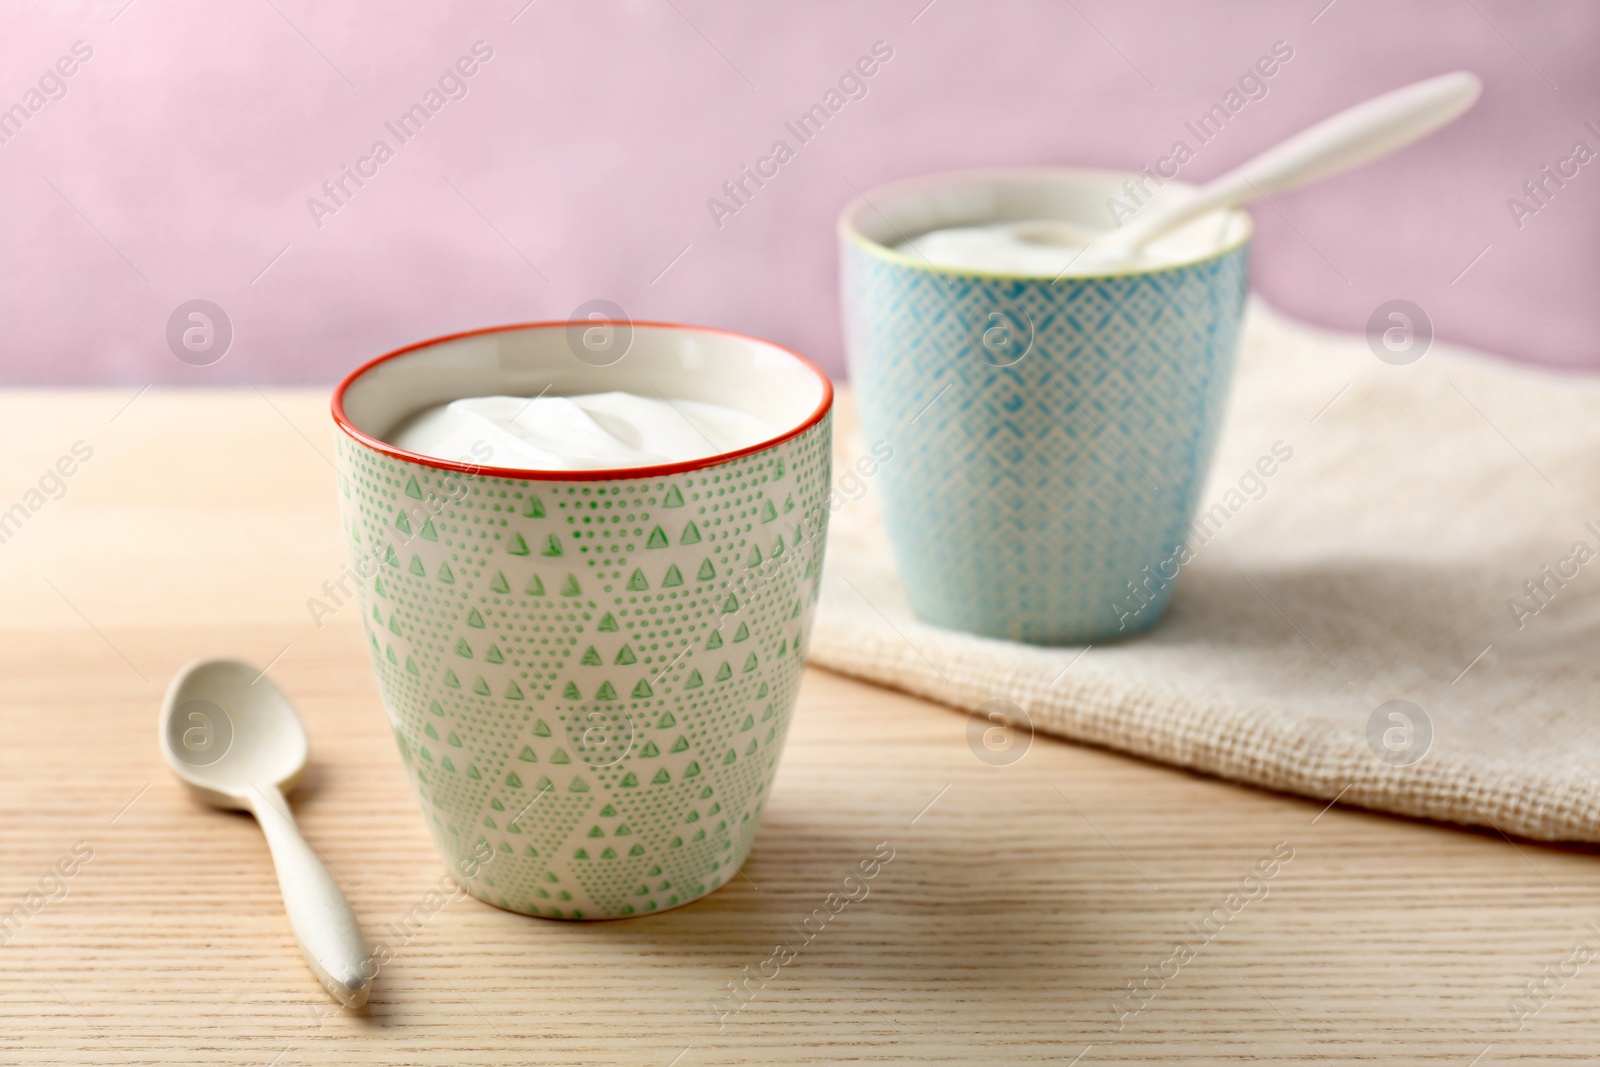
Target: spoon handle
{"x":1352,"y":137}
{"x":329,"y":936}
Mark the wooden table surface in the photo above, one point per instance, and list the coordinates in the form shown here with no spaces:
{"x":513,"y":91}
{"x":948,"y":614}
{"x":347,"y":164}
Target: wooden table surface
{"x":1020,"y":902}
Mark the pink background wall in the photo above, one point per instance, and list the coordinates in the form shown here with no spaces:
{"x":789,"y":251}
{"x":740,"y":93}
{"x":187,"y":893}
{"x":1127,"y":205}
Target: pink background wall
{"x":179,"y":161}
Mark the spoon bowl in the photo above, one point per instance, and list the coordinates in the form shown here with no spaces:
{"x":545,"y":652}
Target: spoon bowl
{"x":225,"y":728}
{"x":233,"y":738}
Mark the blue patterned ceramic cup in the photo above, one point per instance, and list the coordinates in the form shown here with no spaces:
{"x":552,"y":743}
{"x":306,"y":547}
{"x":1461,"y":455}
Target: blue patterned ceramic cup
{"x":1050,"y":437}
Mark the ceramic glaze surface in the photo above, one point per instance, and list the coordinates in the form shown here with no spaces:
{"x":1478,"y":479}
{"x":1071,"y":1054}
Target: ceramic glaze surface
{"x":590,"y":682}
{"x":1051,"y":439}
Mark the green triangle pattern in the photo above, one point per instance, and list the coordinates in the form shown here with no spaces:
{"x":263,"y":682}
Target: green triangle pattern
{"x":604,"y":642}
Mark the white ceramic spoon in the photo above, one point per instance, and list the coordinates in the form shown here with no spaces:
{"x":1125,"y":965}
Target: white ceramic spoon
{"x":234,"y":739}
{"x":1354,"y":136}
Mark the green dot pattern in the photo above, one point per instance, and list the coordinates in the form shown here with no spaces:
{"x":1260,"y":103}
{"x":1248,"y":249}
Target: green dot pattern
{"x":593,"y":679}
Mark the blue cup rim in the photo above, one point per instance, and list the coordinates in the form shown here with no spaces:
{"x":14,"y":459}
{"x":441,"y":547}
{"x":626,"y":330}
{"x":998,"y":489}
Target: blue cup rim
{"x":850,"y":232}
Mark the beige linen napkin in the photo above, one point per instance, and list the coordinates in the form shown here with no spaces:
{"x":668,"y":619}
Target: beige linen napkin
{"x":1433,"y":536}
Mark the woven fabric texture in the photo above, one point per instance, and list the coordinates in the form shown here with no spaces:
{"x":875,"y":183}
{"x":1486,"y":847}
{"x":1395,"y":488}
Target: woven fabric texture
{"x":1429,"y":533}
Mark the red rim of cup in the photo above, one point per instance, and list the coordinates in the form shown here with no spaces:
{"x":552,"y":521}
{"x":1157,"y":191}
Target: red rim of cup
{"x":604,"y":474}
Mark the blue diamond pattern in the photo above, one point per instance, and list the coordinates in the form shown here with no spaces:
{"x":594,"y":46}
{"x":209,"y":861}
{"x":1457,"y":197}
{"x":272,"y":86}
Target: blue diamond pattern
{"x":1050,"y":439}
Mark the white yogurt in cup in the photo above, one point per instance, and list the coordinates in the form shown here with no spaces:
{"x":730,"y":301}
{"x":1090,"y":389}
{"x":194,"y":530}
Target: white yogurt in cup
{"x":592,"y":431}
{"x":1052,"y":247}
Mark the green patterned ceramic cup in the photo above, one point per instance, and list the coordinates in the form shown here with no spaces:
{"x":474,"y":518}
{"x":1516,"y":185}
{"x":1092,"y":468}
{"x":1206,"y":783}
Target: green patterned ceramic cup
{"x":589,"y":673}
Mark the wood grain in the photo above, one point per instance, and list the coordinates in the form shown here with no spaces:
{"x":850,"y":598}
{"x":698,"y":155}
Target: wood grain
{"x":1020,"y":900}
